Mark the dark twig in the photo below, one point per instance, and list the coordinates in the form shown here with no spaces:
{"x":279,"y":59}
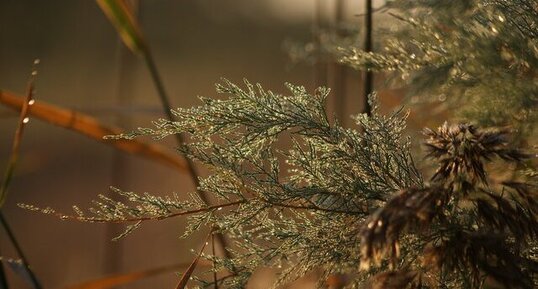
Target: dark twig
{"x":339,"y":73}
{"x":369,"y":77}
{"x":382,"y":8}
{"x":20,"y":253}
{"x":214,"y":263}
{"x":320,"y":66}
{"x":3,"y":277}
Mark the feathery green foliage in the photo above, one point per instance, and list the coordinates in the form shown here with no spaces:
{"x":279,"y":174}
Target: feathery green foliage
{"x":303,"y":202}
{"x":479,"y":55}
{"x":297,"y":191}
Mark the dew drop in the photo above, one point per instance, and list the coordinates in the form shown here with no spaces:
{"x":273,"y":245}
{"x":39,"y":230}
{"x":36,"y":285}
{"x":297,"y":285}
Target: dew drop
{"x":219,"y":208}
{"x":26,"y":120}
{"x":31,"y":102}
{"x":501,"y":18}
{"x":47,"y":211}
{"x":37,"y":61}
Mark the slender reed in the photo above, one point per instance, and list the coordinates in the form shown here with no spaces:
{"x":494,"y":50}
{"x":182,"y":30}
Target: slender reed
{"x":23,"y":120}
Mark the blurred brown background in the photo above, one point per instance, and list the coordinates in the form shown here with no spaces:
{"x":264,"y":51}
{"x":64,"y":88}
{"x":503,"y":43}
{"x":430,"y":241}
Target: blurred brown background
{"x":85,"y":67}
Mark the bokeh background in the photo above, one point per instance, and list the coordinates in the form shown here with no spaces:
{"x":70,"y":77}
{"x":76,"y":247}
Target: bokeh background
{"x":85,"y":67}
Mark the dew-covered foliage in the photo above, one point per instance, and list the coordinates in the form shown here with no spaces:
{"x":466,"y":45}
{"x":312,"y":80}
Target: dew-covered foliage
{"x":301,"y":184}
{"x":290,"y":185}
{"x":294,"y":190}
{"x":480,"y":53}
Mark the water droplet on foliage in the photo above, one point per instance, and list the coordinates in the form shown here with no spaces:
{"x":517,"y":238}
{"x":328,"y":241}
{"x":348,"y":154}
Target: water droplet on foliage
{"x":26,"y":120}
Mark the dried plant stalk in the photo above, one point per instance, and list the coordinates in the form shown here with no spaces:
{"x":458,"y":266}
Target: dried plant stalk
{"x":92,"y":128}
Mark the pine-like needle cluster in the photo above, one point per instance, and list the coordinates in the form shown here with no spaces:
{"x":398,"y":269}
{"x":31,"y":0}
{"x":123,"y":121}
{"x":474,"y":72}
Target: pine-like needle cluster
{"x":295,"y":190}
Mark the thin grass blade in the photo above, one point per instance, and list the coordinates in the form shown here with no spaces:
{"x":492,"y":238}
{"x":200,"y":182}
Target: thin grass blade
{"x":122,"y":17}
{"x":23,"y":120}
{"x":188,"y":273}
